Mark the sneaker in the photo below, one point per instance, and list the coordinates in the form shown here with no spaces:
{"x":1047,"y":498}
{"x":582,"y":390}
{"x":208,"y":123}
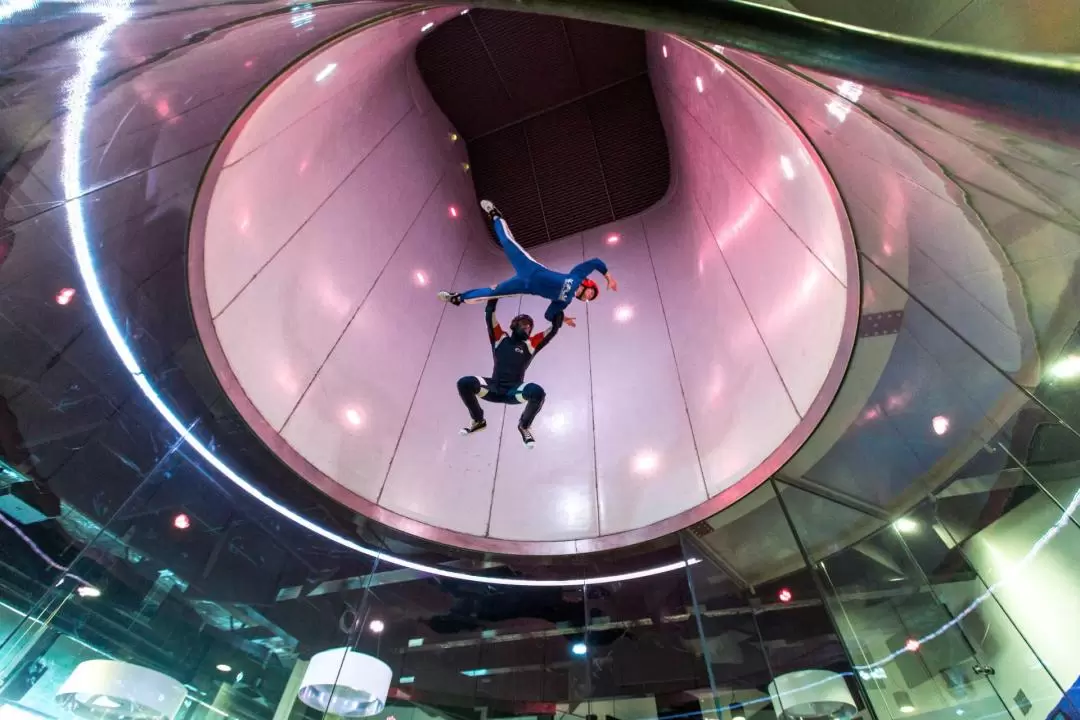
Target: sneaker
{"x":474,"y":426}
{"x":527,"y":437}
{"x":489,"y":209}
{"x":450,"y":297}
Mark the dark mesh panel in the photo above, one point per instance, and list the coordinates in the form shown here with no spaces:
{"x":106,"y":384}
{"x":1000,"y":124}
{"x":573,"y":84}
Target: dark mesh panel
{"x":568,"y":170}
{"x":533,"y":57}
{"x":561,"y":123}
{"x":503,"y":172}
{"x":632,"y":145}
{"x":605,"y":54}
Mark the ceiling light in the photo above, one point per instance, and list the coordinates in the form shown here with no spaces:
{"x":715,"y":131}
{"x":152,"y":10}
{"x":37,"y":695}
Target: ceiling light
{"x":784,"y":595}
{"x":613,"y":239}
{"x":421,"y":278}
{"x":906,"y":526}
{"x":222,"y":667}
{"x":907,"y":709}
{"x":377,"y":626}
{"x":354,"y":417}
{"x":700,"y":84}
{"x":624,"y":313}
{"x":325,"y":72}
{"x":181,"y":522}
{"x":738,"y":717}
{"x":64,"y":296}
{"x":464,"y":12}
{"x":1066,"y":368}
{"x":645,"y":462}
{"x":579,"y":648}
{"x":912,"y":645}
{"x":88,"y":591}
{"x":427,"y":27}
{"x":664,"y":50}
{"x":940,"y":425}
{"x":453,"y":211}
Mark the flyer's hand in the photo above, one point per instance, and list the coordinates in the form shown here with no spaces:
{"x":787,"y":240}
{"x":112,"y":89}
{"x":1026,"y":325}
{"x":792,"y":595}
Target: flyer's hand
{"x":611,"y":283}
{"x":569,"y":321}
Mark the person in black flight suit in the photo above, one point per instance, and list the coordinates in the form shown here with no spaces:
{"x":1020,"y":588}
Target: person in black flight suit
{"x":512,"y":353}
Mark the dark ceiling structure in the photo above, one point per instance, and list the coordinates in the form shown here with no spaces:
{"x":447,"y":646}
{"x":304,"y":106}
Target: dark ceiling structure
{"x":559,"y":115}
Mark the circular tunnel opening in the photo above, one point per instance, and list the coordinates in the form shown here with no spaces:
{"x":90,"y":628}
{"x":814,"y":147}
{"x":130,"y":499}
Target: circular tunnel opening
{"x":346,"y":196}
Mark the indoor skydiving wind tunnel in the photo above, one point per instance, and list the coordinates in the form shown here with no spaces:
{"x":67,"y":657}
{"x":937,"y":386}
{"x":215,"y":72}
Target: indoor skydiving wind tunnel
{"x":858,"y":502}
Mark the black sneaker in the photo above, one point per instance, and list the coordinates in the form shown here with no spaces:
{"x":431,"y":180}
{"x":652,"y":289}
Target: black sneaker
{"x":450,"y":297}
{"x":527,"y":437}
{"x":474,"y":426}
{"x":490,"y":210}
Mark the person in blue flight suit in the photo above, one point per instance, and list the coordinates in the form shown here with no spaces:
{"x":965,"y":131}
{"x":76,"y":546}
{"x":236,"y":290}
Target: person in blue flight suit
{"x":532,"y":278}
{"x":512,"y":354}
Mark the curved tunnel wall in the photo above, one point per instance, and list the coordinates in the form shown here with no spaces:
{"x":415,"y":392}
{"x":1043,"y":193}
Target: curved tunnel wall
{"x":339,"y":206}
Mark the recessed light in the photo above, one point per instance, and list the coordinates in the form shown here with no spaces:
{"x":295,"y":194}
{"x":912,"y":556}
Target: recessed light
{"x":940,"y":424}
{"x":326,"y":72}
{"x":377,"y":626}
{"x":906,"y":525}
{"x":181,"y":522}
{"x":88,"y":591}
{"x":579,"y":648}
{"x":224,"y":668}
{"x":65,"y":296}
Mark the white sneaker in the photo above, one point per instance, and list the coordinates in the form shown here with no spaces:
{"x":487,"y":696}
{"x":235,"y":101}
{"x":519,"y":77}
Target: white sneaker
{"x":487,"y":206}
{"x":449,"y":297}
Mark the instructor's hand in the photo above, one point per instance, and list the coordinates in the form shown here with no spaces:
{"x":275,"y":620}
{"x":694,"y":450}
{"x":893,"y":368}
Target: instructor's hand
{"x":611,"y":283}
{"x":569,"y":321}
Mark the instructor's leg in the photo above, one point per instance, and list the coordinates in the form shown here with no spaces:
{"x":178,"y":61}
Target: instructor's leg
{"x":533,"y":396}
{"x":470,"y":388}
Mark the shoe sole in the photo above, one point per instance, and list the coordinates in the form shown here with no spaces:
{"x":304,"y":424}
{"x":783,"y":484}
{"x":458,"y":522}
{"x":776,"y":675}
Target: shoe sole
{"x":467,"y":431}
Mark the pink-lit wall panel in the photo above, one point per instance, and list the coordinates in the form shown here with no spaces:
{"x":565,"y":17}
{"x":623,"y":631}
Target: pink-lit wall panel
{"x":549,"y":493}
{"x":349,"y":421}
{"x":738,"y":406}
{"x":297,"y":306}
{"x":438,"y":476}
{"x":646,"y":461}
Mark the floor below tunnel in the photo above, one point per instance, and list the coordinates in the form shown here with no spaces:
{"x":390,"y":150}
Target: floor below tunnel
{"x":337,"y":207}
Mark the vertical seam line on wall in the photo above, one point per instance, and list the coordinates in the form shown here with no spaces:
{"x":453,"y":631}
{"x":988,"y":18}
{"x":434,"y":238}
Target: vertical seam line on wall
{"x":746,"y":307}
{"x":675,"y":360}
{"x":427,"y":358}
{"x":592,"y":405}
{"x":314,"y":212}
{"x":536,"y":181}
{"x":363,"y":301}
{"x":799,"y":134}
{"x":498,"y":453}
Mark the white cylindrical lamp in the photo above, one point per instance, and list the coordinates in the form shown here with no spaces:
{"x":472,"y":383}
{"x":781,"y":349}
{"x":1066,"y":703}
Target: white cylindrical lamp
{"x":811,"y":693}
{"x":346,"y":683}
{"x":106,"y":689}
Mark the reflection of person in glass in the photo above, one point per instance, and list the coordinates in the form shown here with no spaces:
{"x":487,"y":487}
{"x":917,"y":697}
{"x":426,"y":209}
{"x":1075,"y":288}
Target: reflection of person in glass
{"x":512,"y":353}
{"x":532,"y":278}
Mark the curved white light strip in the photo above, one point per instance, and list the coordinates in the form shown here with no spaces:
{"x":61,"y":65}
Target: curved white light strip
{"x":91,"y":50}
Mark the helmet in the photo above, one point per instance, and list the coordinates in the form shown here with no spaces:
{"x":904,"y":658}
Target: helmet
{"x":520,"y":320}
{"x":587,"y":284}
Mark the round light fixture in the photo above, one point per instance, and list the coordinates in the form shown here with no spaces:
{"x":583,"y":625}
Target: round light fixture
{"x":181,"y":522}
{"x":88,"y":591}
{"x":784,"y":595}
{"x":347,"y":683}
{"x":579,"y":648}
{"x":907,"y":526}
{"x":377,"y":626}
{"x":113,"y":690}
{"x":222,"y":667}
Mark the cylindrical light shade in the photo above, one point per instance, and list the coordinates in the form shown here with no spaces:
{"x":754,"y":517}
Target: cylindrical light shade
{"x":114,"y":689}
{"x":346,"y":683}
{"x":811,"y":693}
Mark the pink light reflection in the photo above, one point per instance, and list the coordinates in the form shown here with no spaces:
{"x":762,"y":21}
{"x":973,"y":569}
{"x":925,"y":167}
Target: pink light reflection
{"x":354,"y":417}
{"x":453,"y":211}
{"x":65,"y":296}
{"x":624,"y":313}
{"x":612,"y":239}
{"x":420,"y":278}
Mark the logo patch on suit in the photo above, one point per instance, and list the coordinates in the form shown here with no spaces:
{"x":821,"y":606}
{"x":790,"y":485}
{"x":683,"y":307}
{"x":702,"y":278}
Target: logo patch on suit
{"x":567,"y":284}
{"x":519,"y":350}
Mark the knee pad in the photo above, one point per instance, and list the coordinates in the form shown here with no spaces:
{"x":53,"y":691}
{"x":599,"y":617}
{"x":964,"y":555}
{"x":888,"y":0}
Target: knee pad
{"x":468,"y":384}
{"x":532,"y":391}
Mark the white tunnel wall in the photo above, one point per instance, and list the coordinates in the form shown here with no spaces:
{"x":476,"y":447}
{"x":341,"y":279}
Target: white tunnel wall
{"x":329,"y":230}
